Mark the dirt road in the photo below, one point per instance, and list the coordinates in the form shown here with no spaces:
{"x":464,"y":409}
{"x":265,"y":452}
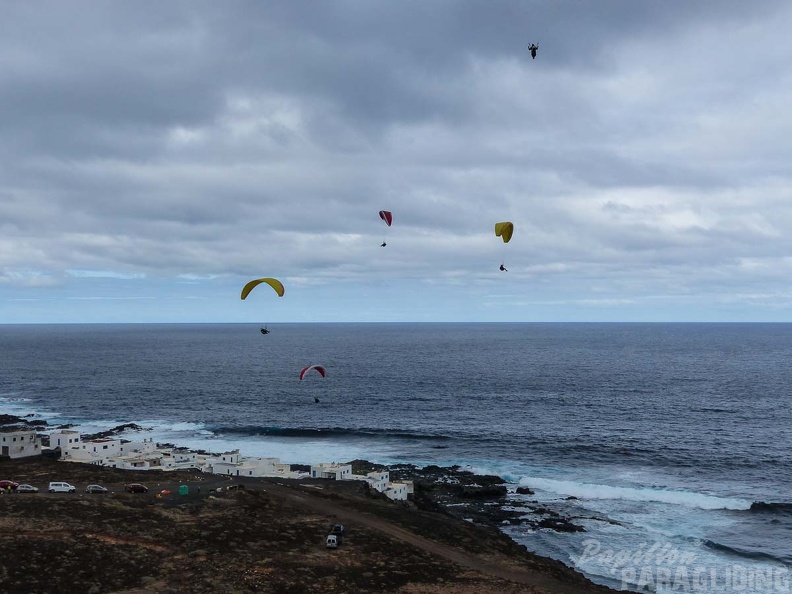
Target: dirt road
{"x":537,"y":583}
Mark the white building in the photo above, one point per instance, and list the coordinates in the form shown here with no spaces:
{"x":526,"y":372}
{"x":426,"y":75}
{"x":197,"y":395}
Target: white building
{"x":96,"y":451}
{"x":20,"y":443}
{"x":397,"y":491}
{"x":331,"y":470}
{"x":64,"y":438}
{"x":233,"y":464}
{"x":379,"y":480}
{"x":147,"y":446}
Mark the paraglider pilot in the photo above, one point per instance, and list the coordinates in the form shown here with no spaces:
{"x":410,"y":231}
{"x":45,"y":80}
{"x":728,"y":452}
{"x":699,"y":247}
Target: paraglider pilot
{"x":383,"y":244}
{"x":503,"y":268}
{"x":533,"y":47}
{"x":316,"y":399}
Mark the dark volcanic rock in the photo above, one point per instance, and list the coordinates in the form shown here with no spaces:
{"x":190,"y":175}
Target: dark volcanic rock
{"x":479,"y":492}
{"x":478,"y":498}
{"x":115,"y":431}
{"x":559,"y":525}
{"x":14,"y":422}
{"x":11,"y":420}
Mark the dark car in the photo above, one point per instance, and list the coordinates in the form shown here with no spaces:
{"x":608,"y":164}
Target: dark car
{"x":95,"y":489}
{"x":4,"y":484}
{"x":135,"y":488}
{"x":339,"y":529}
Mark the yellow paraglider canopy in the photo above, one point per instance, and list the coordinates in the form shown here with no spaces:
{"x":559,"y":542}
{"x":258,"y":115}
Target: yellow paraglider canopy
{"x":504,"y":230}
{"x":272,"y":282}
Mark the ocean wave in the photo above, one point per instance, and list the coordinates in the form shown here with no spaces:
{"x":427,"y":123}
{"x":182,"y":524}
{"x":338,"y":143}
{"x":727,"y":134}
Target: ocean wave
{"x":326,"y":432}
{"x":738,"y":552}
{"x":11,"y":397}
{"x":175,"y":426}
{"x":585,"y":491}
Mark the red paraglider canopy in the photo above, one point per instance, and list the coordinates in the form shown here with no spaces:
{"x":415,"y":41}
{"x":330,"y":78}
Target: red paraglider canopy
{"x":318,"y":368}
{"x":386,"y":216}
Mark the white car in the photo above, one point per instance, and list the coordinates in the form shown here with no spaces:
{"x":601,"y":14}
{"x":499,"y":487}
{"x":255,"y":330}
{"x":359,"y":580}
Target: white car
{"x":62,"y":488}
{"x":26,"y":489}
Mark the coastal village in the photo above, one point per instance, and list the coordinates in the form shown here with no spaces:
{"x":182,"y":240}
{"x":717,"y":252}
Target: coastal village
{"x":435,"y":527}
{"x":145,"y":454}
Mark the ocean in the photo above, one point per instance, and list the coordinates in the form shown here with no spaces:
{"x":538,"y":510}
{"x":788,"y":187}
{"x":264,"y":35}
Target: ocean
{"x":671,"y":444}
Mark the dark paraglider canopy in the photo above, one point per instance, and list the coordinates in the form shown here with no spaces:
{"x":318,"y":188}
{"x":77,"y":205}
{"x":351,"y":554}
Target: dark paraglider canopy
{"x":533,"y":47}
{"x":386,"y":216}
{"x":318,"y":368}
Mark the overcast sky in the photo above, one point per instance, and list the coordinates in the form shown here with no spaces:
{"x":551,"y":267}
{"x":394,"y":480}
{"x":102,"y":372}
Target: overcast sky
{"x":155,"y":156}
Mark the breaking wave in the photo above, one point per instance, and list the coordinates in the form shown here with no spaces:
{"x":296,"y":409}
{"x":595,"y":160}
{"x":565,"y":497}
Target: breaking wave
{"x":320,"y":432}
{"x":594,"y":491}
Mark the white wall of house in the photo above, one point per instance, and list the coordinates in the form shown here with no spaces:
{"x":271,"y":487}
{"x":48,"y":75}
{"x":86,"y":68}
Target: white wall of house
{"x":332,"y":470}
{"x":77,"y":453}
{"x":378,"y":480}
{"x":230,"y":457}
{"x":20,"y":444}
{"x":147,"y":446}
{"x":396,"y":491}
{"x":63,"y":438}
{"x":105,"y":448}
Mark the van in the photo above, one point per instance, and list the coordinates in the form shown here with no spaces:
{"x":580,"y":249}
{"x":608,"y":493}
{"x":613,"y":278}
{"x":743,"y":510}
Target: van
{"x":62,"y":488}
{"x":333,"y":540}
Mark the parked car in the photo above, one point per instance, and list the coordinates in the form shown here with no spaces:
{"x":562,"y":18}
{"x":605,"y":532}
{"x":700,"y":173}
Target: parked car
{"x":4,"y":484}
{"x":95,"y":489}
{"x":56,"y":487}
{"x":338,"y":529}
{"x":333,"y":541}
{"x":26,"y":489}
{"x":135,"y":488}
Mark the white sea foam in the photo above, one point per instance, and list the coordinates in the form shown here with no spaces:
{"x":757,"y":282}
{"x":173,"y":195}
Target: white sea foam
{"x":585,"y":491}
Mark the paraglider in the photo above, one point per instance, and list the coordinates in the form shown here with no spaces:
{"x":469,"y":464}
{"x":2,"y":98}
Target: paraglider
{"x":533,"y":47}
{"x":504,"y":230}
{"x":386,"y":216}
{"x":276,"y":285}
{"x":321,"y":370}
{"x":318,"y":368}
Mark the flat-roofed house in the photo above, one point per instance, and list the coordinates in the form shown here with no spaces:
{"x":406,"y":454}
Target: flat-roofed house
{"x":331,"y":470}
{"x":64,"y":438}
{"x":20,"y":443}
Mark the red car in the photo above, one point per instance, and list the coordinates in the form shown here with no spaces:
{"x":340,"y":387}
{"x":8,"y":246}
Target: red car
{"x":135,"y":488}
{"x":5,"y":484}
